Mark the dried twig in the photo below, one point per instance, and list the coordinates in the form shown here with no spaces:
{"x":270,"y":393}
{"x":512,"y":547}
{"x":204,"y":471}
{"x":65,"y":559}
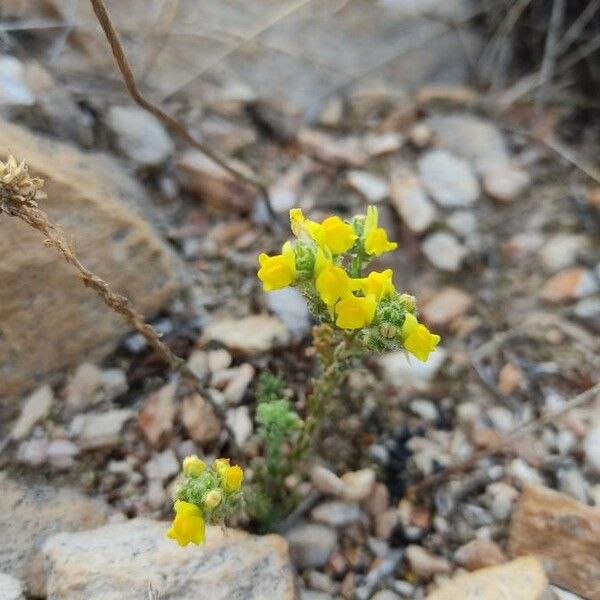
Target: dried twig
{"x":170,"y":122}
{"x":19,"y":193}
{"x":503,"y":446}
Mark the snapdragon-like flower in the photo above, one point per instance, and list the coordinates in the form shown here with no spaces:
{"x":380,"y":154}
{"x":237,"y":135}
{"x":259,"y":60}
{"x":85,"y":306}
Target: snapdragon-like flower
{"x":193,"y":466}
{"x":279,"y":271}
{"x":188,"y":525}
{"x":376,"y":239}
{"x":378,"y":284}
{"x":354,"y":312}
{"x":418,"y":340}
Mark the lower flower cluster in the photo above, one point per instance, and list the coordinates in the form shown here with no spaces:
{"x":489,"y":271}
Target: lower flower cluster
{"x":205,"y":495}
{"x":326,"y":262}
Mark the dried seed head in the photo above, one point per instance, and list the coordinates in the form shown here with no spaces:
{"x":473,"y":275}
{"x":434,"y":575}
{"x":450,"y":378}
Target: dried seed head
{"x":17,"y":187}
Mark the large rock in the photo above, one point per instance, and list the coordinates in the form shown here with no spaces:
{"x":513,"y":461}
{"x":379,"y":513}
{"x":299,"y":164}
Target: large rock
{"x":31,"y":513}
{"x":521,"y":579}
{"x":564,"y":533}
{"x":124,"y":560}
{"x":48,"y":320}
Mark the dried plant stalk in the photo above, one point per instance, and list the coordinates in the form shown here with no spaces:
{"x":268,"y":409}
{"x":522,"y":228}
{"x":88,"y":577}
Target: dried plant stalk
{"x":19,"y":195}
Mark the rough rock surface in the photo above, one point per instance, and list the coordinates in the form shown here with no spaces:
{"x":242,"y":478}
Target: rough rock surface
{"x":10,"y":588}
{"x":520,"y":579}
{"x":39,"y":511}
{"x":50,"y":321}
{"x":564,"y":533}
{"x":122,"y":560}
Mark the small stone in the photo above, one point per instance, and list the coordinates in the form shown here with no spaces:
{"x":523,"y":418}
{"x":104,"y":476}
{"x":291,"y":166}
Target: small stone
{"x":241,"y":424}
{"x":523,"y":473}
{"x":378,"y":144}
{"x":35,"y":409}
{"x":510,"y":378}
{"x":61,"y":454}
{"x":570,"y":284}
{"x":345,"y":151}
{"x":444,"y":251}
{"x":378,"y":501}
{"x":572,"y":483}
{"x":478,"y":554}
{"x":336,"y":514}
{"x":445,"y":96}
{"x":114,"y":383}
{"x":198,"y":363}
{"x":401,"y":372}
{"x":424,"y":409}
{"x":358,"y":484}
{"x":156,"y":495}
{"x":561,"y":251}
{"x":502,"y":418}
{"x":318,"y":581}
{"x":410,"y":201}
{"x":236,"y":388}
{"x":564,"y":533}
{"x":101,"y":430}
{"x":420,"y":135}
{"x":13,"y":85}
{"x":520,"y":579}
{"x":591,"y":449}
{"x":523,"y":245}
{"x":311,"y":545}
{"x":140,"y":135}
{"x":332,"y":112}
{"x":371,"y":187}
{"x":424,"y":564}
{"x":33,"y":452}
{"x":588,"y":310}
{"x":463,"y":223}
{"x":290,"y":306}
{"x":385,"y":523}
{"x":250,"y":335}
{"x":10,"y":588}
{"x":158,"y":413}
{"x":199,"y":419}
{"x":219,"y":359}
{"x":326,"y":481}
{"x":162,"y":466}
{"x":502,"y":498}
{"x":448,"y":304}
{"x":385,"y":595}
{"x":505,"y":182}
{"x":286,"y":191}
{"x":82,"y":390}
{"x":450,"y":180}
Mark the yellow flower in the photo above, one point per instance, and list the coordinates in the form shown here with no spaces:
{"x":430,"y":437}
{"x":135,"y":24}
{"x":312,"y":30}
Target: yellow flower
{"x":188,"y":524}
{"x":354,"y":312}
{"x":378,"y":284}
{"x":221,"y":465}
{"x":212,"y":499}
{"x":193,"y":466}
{"x":418,"y":340}
{"x":232,"y":479}
{"x":376,"y":240}
{"x":302,"y":228}
{"x":333,"y":283}
{"x":335,"y":235}
{"x":277,"y":271}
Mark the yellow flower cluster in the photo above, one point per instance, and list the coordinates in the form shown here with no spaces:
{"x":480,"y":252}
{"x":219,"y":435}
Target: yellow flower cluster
{"x":207,"y":493}
{"x":338,"y":250}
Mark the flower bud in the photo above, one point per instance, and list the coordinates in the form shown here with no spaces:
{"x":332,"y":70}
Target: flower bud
{"x":212,"y":499}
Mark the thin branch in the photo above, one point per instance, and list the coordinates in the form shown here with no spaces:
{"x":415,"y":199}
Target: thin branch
{"x":170,"y":122}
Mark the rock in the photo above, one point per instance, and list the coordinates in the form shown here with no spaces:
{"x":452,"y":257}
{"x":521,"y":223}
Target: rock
{"x":401,"y":371}
{"x":286,"y":191}
{"x":448,"y":304}
{"x":591,"y":449}
{"x":241,"y":424}
{"x":378,"y":144}
{"x":218,"y":359}
{"x":571,"y":482}
{"x":13,"y":86}
{"x":425,"y":409}
{"x":156,"y":495}
{"x":444,"y":251}
{"x":10,"y":588}
{"x":561,"y":251}
{"x":386,"y":595}
{"x":463,"y":223}
{"x":82,"y":388}
{"x":476,"y":139}
{"x":326,"y":481}
{"x":520,"y":579}
{"x":445,"y":96}
{"x":199,"y":419}
{"x":564,"y":533}
{"x":385,"y":523}
{"x":346,"y":151}
{"x":371,"y":187}
{"x":332,"y":112}
{"x":139,"y":135}
{"x":33,"y":452}
{"x":569,"y":284}
{"x":424,"y":564}
{"x":157,"y":414}
{"x":198,"y":363}
{"x":100,"y":430}
{"x":203,"y":177}
{"x":420,"y":135}
{"x":510,"y":378}
{"x":311,"y":545}
{"x":114,"y":383}
{"x":358,"y":484}
{"x":61,"y":454}
{"x":250,"y":335}
{"x":450,"y":180}
{"x":502,"y":498}
{"x":410,"y":201}
{"x":336,"y":514}
{"x":236,"y":387}
{"x":378,"y":501}
{"x":123,"y":559}
{"x":505,"y":182}
{"x":588,"y":310}
{"x":162,"y":466}
{"x":560,"y":594}
{"x":90,"y":198}
{"x":478,"y":554}
{"x":523,"y":473}
{"x":39,"y":511}
{"x":35,"y":409}
{"x":290,"y":306}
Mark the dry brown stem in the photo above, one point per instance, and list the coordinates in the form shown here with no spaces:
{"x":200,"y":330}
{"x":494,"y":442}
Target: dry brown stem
{"x":19,"y":193}
{"x":170,"y":122}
